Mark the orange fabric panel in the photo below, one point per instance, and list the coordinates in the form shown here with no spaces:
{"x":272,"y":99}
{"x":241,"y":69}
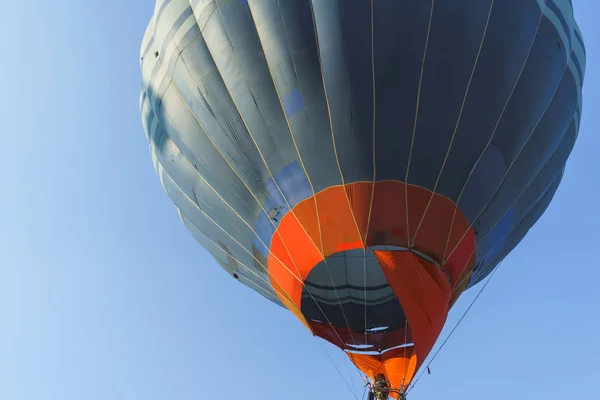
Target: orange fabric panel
{"x":332,"y":221}
{"x":423,"y":291}
{"x":398,"y":365}
{"x":348,"y":246}
{"x":337,"y":221}
{"x":306,"y":213}
{"x":359,"y":195}
{"x":293,"y":255}
{"x":388,"y":216}
{"x":302,"y":251}
{"x":282,"y":272}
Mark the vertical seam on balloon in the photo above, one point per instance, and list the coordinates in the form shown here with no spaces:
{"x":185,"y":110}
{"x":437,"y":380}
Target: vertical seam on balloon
{"x":444,"y":258}
{"x":274,"y":181}
{"x":507,"y":210}
{"x":336,"y":156}
{"x":464,"y":100}
{"x":322,"y":250}
{"x":255,"y":233}
{"x":307,"y":177}
{"x":516,"y":157}
{"x":374,"y":120}
{"x":256,"y":144}
{"x":412,"y":142}
{"x":318,"y":50}
{"x":374,"y":162}
{"x":209,"y":137}
{"x":241,"y":180}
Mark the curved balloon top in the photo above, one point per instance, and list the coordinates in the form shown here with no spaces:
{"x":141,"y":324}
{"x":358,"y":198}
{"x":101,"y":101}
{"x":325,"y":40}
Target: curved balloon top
{"x":362,"y":162}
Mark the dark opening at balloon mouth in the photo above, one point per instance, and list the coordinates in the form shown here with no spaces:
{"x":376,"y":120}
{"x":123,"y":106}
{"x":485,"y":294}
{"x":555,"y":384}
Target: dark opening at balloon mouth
{"x":349,"y":290}
{"x":348,"y":294}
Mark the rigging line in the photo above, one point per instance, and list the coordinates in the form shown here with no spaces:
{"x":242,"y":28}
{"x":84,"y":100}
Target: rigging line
{"x":405,"y":340}
{"x":365,"y":289}
{"x":455,"y":326}
{"x":462,"y":279}
{"x":171,"y":81}
{"x":374,"y":142}
{"x":331,"y":128}
{"x":374,"y":162}
{"x":267,"y":283}
{"x":322,"y":249}
{"x":288,"y":270}
{"x":338,"y":297}
{"x":456,"y":126}
{"x":414,"y":130}
{"x":339,"y":372}
{"x":498,"y":121}
{"x":247,"y":126}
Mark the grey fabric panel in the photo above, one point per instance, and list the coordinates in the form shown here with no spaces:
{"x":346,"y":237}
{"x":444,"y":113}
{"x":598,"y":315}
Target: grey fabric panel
{"x":536,"y":90}
{"x":510,"y":34}
{"x":457,"y":29}
{"x":287,"y":39}
{"x":234,"y":45}
{"x":197,"y":79}
{"x":402,"y":25}
{"x":531,"y":97}
{"x":344,"y":37}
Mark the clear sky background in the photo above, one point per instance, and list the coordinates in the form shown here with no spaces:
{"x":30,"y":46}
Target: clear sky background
{"x":104,"y":295}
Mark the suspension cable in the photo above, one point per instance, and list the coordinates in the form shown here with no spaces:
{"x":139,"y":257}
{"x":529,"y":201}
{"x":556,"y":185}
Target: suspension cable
{"x":455,"y":326}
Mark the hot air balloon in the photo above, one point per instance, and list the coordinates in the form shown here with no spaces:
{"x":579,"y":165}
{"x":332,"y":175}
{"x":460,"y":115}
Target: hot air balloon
{"x":362,"y":162}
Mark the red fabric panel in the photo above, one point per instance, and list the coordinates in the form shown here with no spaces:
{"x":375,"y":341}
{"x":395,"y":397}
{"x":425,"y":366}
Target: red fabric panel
{"x":359,"y":195}
{"x":388,"y":215}
{"x":423,"y":291}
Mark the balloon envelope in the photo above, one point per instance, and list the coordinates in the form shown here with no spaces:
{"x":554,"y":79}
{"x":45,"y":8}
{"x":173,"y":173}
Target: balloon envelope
{"x":362,"y":162}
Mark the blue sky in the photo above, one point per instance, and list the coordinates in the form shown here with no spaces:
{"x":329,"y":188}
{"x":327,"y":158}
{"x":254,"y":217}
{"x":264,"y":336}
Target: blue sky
{"x":105,"y":295}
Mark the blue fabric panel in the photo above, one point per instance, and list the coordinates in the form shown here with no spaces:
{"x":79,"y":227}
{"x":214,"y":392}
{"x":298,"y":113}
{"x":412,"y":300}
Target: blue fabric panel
{"x":482,"y":184}
{"x":293,"y":102}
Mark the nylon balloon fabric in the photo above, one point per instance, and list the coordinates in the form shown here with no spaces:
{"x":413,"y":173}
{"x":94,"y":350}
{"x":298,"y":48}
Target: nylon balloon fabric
{"x":362,"y":162}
